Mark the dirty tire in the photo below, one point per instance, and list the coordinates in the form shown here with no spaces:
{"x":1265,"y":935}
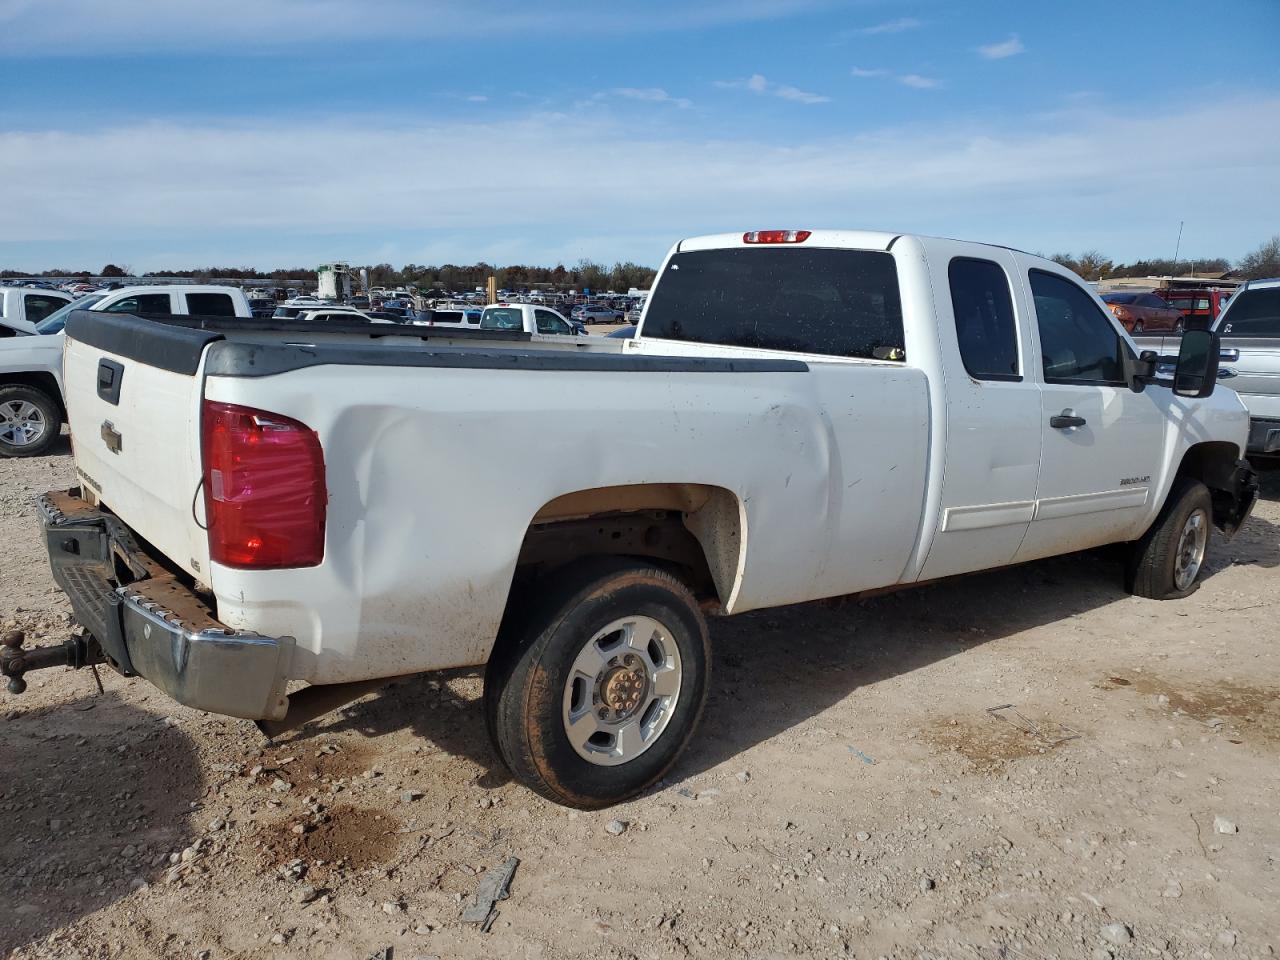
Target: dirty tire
{"x":1153,"y":559}
{"x":526,"y":678}
{"x":48,"y":411}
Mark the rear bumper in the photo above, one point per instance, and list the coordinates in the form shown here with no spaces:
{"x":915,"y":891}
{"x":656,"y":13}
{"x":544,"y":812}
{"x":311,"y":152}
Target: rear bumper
{"x":1264,"y":435}
{"x":154,"y":626}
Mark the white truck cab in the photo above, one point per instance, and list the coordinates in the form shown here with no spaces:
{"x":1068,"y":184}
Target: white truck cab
{"x":21,"y":308}
{"x":526,"y":318}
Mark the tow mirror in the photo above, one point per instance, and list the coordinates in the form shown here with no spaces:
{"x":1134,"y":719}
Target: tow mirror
{"x":1197,"y":370}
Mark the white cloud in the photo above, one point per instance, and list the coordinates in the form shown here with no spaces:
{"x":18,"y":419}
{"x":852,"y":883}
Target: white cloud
{"x":917,"y":82}
{"x":477,"y":98}
{"x":171,"y":194}
{"x":758,"y":83}
{"x":651,"y":95}
{"x":890,"y":26}
{"x":867,"y":72}
{"x":1005,"y":48}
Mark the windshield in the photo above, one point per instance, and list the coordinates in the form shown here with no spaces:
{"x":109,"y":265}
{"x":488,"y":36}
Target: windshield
{"x":55,"y":321}
{"x":1253,"y":313}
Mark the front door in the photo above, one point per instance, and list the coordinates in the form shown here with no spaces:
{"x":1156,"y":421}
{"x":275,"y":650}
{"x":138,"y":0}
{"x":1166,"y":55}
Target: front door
{"x":1102,"y":442}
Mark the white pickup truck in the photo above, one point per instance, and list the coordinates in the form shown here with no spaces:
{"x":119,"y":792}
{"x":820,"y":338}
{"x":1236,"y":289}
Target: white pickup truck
{"x":803,"y":414}
{"x":1249,"y":328}
{"x":32,"y":408}
{"x":21,"y":308}
{"x":527,"y":318}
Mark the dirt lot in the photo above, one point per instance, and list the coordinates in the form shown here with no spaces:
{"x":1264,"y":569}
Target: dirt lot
{"x":849,"y":792}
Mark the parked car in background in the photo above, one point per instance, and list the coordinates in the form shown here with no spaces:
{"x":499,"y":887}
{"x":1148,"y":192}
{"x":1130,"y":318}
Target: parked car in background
{"x":21,"y":308}
{"x":527,"y":318}
{"x":1250,"y":330}
{"x":1143,"y":312}
{"x":622,"y":333}
{"x":1199,"y":308}
{"x":595,"y":313}
{"x":32,"y":403}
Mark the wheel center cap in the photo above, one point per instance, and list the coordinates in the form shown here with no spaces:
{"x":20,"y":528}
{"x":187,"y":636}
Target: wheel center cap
{"x":622,"y":689}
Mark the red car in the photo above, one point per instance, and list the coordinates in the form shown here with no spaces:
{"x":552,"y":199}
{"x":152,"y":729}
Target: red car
{"x":1144,"y":312}
{"x":1199,"y":307}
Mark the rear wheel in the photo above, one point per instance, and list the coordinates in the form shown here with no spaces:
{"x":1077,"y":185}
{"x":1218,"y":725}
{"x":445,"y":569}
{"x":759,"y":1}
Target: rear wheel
{"x":1165,"y":564}
{"x":29,"y":421}
{"x":600,"y":684}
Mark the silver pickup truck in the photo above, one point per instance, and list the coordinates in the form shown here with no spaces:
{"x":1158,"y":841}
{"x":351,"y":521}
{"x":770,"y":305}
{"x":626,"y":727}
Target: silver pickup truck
{"x":1250,"y":332}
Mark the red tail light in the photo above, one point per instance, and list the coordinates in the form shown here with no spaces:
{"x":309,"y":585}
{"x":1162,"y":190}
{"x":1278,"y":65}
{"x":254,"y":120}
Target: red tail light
{"x":776,"y":236}
{"x":264,"y":488}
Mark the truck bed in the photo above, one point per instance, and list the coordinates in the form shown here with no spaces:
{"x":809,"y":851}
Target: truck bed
{"x":441,"y":453}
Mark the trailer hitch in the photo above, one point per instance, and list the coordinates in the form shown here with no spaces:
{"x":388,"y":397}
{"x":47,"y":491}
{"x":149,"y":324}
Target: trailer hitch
{"x":79,"y":650}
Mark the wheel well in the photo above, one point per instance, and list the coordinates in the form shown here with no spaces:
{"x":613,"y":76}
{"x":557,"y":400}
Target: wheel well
{"x":1213,"y":464}
{"x":44,"y":382}
{"x":693,"y":530}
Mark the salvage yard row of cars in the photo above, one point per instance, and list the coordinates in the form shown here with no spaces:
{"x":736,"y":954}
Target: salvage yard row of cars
{"x":808,"y":414}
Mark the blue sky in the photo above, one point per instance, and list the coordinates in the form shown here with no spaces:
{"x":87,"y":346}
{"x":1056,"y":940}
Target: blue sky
{"x":289,"y":132}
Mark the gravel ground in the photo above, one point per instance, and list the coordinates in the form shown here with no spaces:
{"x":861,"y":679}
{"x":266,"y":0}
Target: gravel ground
{"x":849,"y":794}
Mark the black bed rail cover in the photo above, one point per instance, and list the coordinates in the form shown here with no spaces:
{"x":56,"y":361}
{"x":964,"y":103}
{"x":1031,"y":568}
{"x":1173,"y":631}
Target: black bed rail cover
{"x":236,"y":359}
{"x":156,"y":343}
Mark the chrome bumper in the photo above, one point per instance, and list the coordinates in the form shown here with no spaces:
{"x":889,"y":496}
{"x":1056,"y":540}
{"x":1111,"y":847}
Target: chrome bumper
{"x":154,"y":626}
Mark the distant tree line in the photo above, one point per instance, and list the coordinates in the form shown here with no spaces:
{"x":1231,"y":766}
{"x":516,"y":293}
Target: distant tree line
{"x":1093,"y":265}
{"x":594,"y":276}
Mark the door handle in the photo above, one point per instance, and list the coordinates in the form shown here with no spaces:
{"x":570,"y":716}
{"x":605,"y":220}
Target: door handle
{"x":1066,"y":420}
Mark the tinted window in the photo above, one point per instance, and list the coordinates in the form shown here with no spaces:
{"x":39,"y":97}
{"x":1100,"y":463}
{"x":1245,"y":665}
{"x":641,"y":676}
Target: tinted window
{"x":1151,"y":300}
{"x":983,"y":308}
{"x":1253,"y":313}
{"x":1119,"y":298}
{"x":210,"y":305}
{"x":1077,"y":342}
{"x":842,"y":303}
{"x":38,"y":307}
{"x":145,"y":304}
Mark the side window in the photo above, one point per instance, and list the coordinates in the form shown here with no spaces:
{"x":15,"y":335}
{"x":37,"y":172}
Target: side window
{"x":548,"y":322}
{"x":145,"y":304}
{"x":985,"y":328}
{"x":39,"y":307}
{"x":210,"y":305}
{"x":1077,"y":342}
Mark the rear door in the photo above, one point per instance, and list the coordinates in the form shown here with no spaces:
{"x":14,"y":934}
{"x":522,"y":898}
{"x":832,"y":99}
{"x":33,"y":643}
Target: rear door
{"x":992,"y":412}
{"x":1102,"y":442}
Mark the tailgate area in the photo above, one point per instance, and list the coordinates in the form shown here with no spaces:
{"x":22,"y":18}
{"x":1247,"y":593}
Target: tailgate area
{"x":133,"y":391}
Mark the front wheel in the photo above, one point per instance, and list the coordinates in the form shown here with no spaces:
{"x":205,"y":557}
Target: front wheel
{"x":29,"y":421}
{"x":1165,"y":564}
{"x":601,"y":684}
{"x":1138,"y":326}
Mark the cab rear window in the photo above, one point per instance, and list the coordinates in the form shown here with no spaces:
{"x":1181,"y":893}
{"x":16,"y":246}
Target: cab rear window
{"x":842,"y":303}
